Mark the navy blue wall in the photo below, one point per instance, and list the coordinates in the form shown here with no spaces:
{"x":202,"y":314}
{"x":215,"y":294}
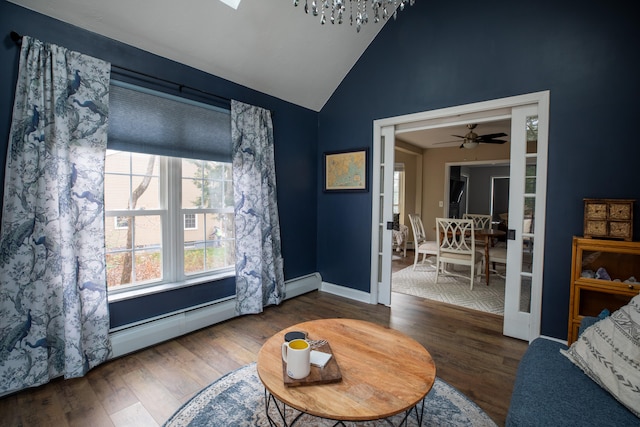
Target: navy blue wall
{"x":442,"y":54}
{"x":295,"y":133}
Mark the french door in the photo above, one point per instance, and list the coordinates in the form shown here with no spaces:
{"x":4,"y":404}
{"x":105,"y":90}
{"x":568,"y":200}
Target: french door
{"x":382,"y":183}
{"x":527,"y":189}
{"x":527,"y":199}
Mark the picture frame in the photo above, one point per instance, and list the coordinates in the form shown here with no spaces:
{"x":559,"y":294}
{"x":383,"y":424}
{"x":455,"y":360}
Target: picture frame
{"x":346,"y":171}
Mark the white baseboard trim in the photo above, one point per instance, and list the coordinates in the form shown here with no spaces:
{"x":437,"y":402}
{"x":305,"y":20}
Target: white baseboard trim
{"x":302,"y":285}
{"x":136,"y":336}
{"x":343,"y":291}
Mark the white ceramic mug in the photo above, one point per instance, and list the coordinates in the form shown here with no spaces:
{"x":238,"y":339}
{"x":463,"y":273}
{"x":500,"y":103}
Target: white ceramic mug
{"x":295,"y":354}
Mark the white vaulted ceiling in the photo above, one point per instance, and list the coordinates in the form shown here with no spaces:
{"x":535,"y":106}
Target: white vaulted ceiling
{"x":267,"y":45}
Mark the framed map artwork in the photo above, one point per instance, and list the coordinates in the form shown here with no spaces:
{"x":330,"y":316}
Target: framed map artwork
{"x":345,"y":170}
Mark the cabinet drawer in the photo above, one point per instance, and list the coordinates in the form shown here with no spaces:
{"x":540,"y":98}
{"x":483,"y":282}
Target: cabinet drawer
{"x":619,"y":229}
{"x":596,"y":210}
{"x":595,"y":228}
{"x":620,"y":211}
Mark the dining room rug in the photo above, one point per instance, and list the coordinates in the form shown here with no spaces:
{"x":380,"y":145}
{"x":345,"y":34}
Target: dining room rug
{"x":237,"y":399}
{"x":421,"y":282}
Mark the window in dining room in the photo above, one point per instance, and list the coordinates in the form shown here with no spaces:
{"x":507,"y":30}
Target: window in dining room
{"x":398,"y":189}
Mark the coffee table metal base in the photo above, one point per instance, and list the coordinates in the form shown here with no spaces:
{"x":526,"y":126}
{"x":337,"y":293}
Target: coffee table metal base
{"x":281,"y":408}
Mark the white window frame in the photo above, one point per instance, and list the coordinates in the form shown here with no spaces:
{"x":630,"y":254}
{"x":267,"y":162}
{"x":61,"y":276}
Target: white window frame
{"x":172,"y":217}
{"x":195,"y":221}
{"x":116,"y":223}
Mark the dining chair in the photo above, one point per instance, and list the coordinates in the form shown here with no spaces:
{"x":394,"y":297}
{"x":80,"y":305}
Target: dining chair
{"x":456,"y":245}
{"x":400,"y":237}
{"x":420,"y":242}
{"x":480,"y":221}
{"x":498,"y":255}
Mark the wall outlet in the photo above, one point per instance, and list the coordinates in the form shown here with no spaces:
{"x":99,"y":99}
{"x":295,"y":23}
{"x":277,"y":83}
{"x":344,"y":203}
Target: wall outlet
{"x":440,"y":204}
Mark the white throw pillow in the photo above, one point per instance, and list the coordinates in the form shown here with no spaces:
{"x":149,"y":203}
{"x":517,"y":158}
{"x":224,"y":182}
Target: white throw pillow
{"x":609,"y":353}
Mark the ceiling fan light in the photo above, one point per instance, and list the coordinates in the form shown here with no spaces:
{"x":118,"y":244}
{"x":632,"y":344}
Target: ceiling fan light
{"x":469,"y":144}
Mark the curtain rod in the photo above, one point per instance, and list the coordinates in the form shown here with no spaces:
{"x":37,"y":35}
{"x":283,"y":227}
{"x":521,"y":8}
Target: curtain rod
{"x":17,"y":38}
{"x":137,"y":74}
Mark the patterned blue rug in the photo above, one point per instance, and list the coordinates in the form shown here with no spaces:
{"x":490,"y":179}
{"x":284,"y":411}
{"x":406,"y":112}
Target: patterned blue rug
{"x":237,"y":399}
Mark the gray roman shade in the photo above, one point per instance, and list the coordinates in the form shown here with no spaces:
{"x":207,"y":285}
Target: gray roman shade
{"x":147,"y":121}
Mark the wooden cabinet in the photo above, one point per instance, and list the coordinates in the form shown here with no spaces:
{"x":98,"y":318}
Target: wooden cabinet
{"x":608,"y":218}
{"x":591,"y":289}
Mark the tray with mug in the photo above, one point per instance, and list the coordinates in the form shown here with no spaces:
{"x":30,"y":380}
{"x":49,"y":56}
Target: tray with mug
{"x":300,"y":355}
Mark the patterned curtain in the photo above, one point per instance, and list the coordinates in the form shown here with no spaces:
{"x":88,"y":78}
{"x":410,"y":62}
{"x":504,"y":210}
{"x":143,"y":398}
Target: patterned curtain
{"x":259,"y":264}
{"x":54,"y":316}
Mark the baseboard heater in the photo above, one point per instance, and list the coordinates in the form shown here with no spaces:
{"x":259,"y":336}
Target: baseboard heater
{"x":133,"y":337}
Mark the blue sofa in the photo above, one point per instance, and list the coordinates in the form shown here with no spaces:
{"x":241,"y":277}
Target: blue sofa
{"x":551,"y":391}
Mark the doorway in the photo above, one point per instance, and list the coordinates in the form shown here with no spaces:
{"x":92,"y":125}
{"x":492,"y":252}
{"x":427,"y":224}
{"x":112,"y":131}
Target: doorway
{"x":499,"y":196}
{"x":521,"y":110}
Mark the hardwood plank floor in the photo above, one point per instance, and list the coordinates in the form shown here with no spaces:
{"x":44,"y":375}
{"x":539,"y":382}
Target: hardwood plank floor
{"x":399,"y":262}
{"x":145,"y":388}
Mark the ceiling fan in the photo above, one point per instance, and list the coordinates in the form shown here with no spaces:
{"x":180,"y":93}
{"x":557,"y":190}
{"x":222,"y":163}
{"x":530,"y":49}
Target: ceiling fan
{"x":472,"y":139}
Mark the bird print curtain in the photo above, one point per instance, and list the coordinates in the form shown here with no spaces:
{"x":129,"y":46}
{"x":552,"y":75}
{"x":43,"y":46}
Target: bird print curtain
{"x":259,"y":264}
{"x":53,"y":303}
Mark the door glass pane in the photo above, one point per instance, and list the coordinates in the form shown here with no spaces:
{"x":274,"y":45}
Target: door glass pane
{"x":525,"y":294}
{"x":528,"y":223}
{"x":530,"y":178}
{"x":532,"y":134}
{"x":527,"y":254}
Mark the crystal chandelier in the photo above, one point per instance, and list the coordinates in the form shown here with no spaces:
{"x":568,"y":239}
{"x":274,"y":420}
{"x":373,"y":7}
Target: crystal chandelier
{"x":358,"y":13}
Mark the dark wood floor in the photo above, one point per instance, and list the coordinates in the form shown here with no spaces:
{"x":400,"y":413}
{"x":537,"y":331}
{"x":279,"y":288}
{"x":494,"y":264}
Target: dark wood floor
{"x":399,"y":262}
{"x":145,"y":388}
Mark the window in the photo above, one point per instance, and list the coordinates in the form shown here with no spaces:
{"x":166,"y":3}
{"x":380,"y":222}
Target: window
{"x":190,"y":222}
{"x":121,"y":222}
{"x":168,"y":191}
{"x":207,"y":195}
{"x":173,"y":219}
{"x":398,"y":189}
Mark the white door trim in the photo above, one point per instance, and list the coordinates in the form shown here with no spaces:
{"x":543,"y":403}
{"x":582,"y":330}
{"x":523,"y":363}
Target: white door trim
{"x":478,"y":112}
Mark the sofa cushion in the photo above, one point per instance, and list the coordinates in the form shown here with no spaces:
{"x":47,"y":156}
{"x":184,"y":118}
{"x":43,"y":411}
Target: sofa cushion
{"x":609,"y":353}
{"x":551,"y":391}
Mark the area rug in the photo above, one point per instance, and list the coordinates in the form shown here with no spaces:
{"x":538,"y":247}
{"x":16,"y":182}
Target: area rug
{"x":237,"y":399}
{"x":451,"y":289}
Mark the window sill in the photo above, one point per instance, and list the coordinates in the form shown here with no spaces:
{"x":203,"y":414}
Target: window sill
{"x":164,"y":287}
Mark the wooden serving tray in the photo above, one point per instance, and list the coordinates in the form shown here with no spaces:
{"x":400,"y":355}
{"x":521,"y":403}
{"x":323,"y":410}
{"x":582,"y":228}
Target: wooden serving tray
{"x":329,"y":374}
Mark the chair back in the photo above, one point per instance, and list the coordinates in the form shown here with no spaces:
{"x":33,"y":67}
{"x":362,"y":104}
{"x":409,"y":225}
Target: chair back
{"x":418,"y":229}
{"x":455,"y":235}
{"x":480,"y":221}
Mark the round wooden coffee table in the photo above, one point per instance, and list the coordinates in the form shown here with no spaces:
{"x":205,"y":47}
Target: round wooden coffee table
{"x":384,"y":372}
